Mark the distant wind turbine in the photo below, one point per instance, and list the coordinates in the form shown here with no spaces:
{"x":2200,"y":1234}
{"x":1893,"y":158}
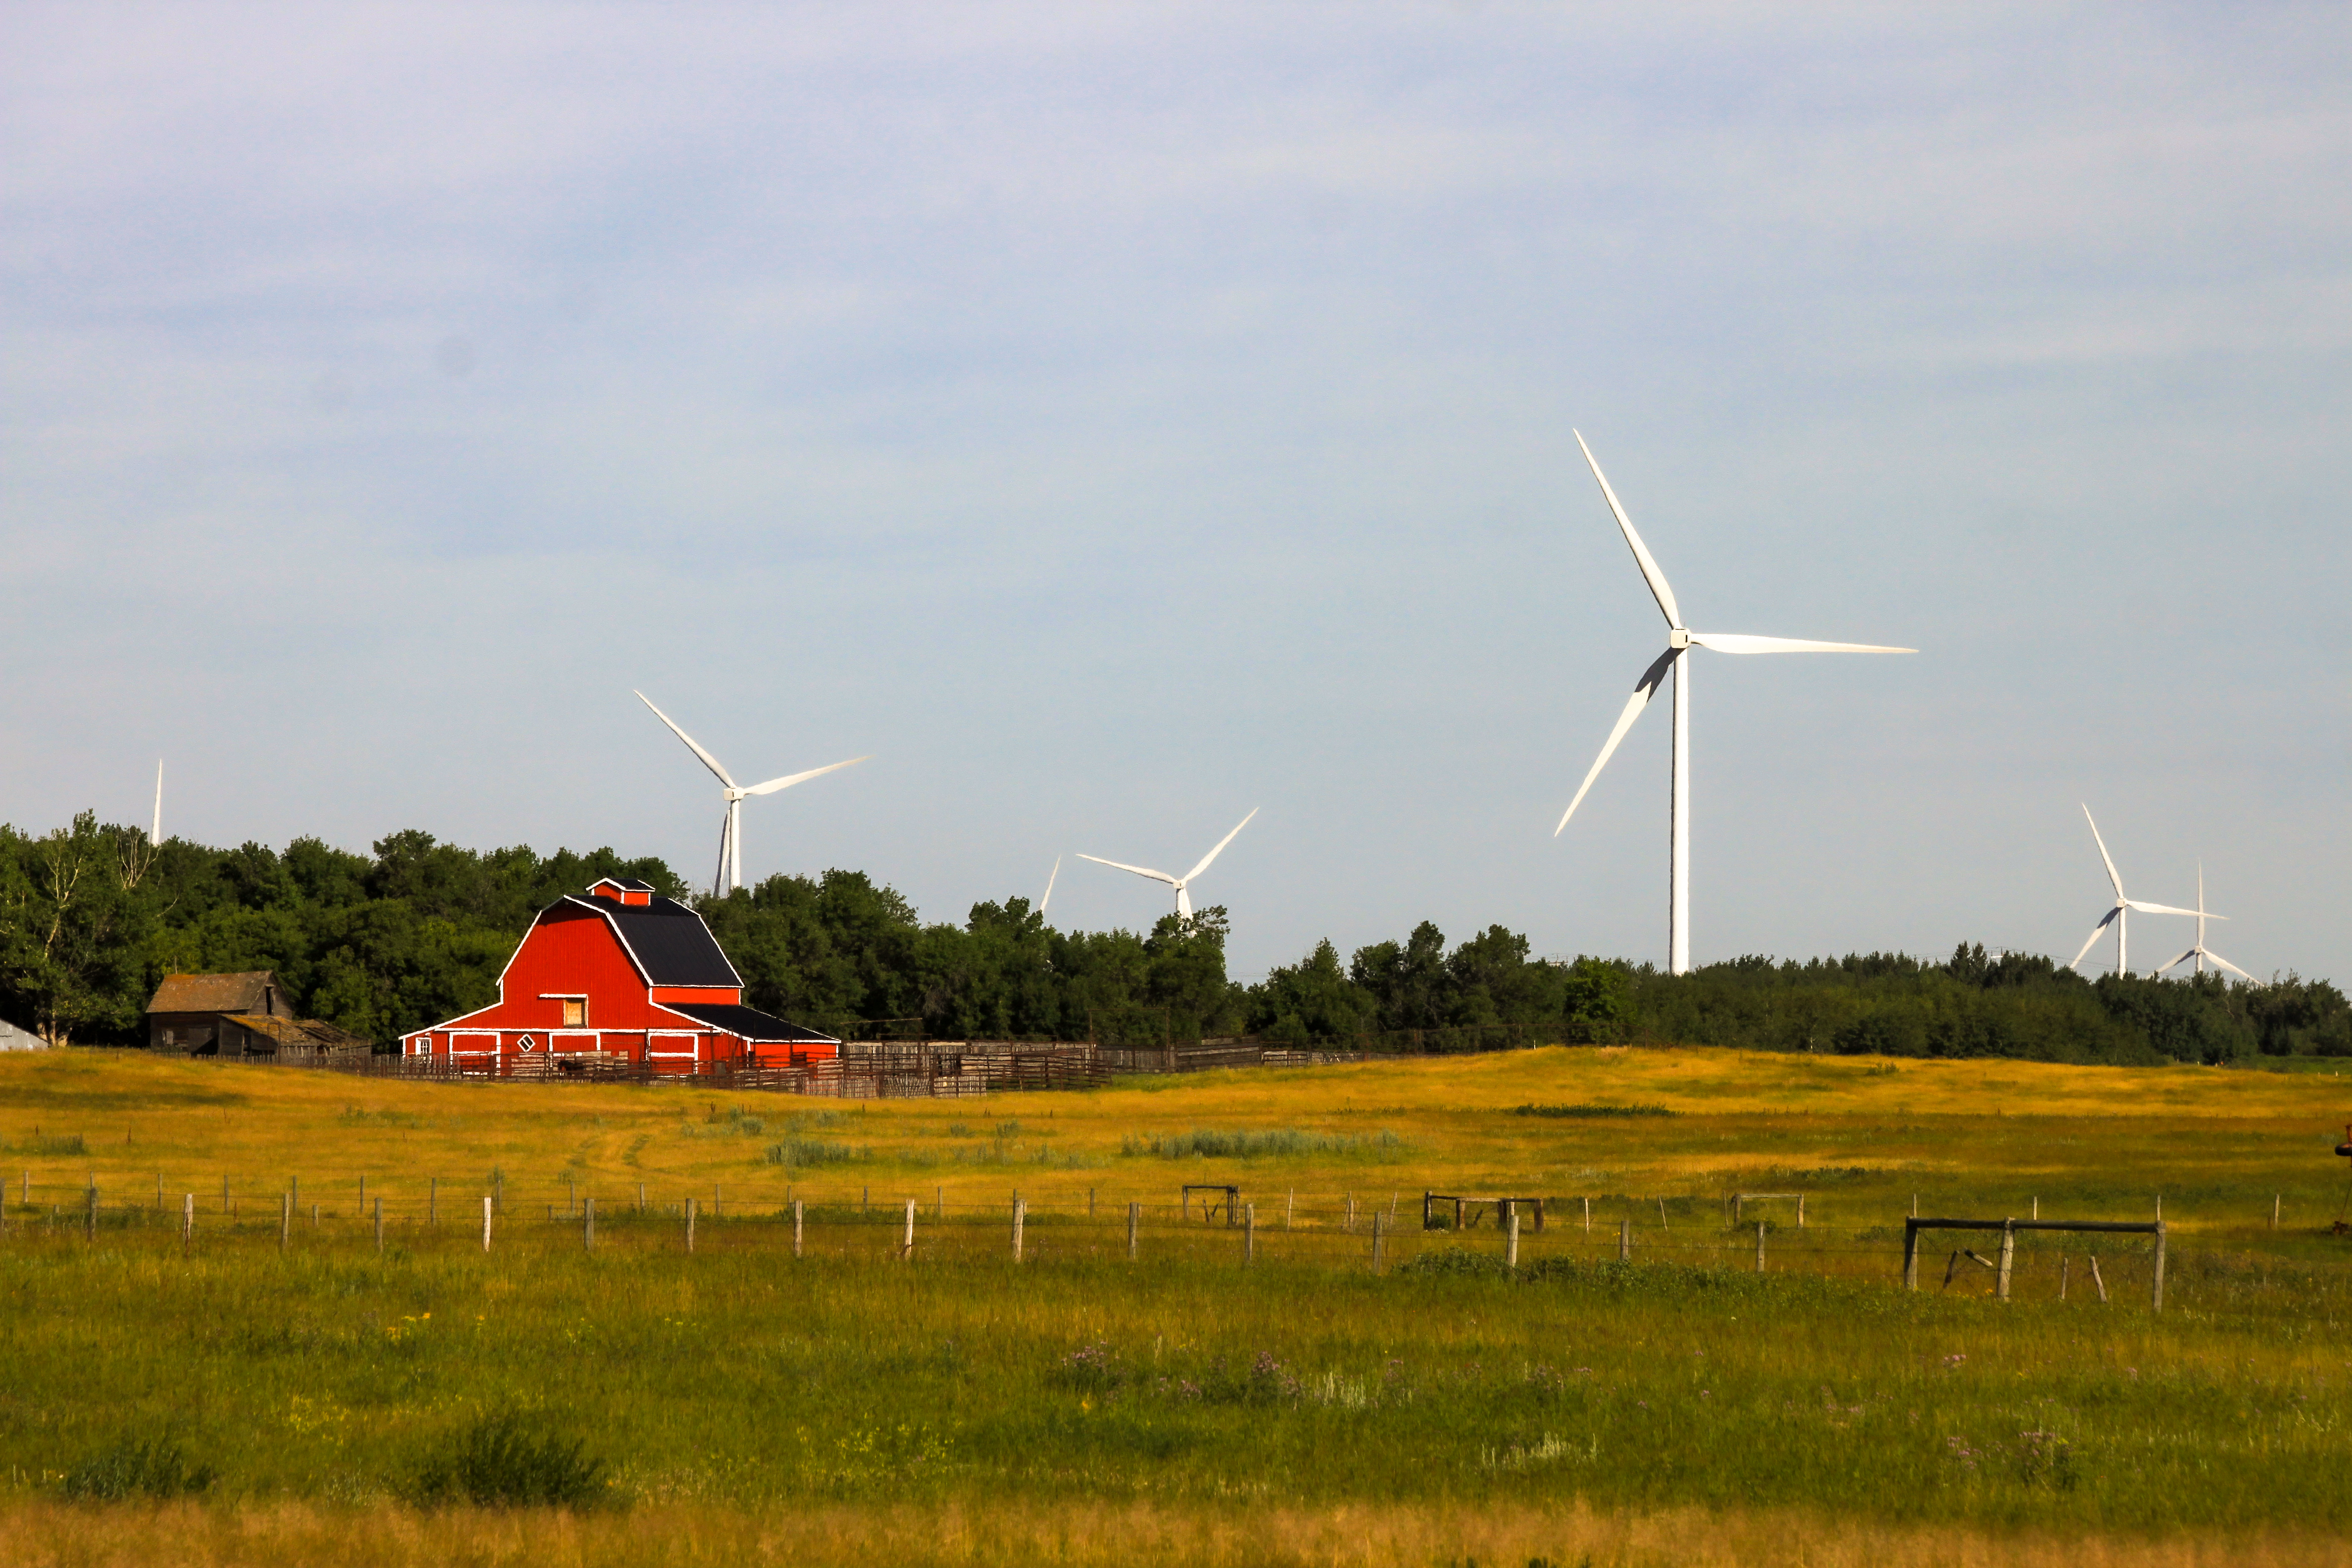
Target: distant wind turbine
{"x":2200,"y":952}
{"x":2120,"y":916}
{"x":1049,"y":888}
{"x":1181,"y":883}
{"x":730,"y":831}
{"x":155,"y":833}
{"x":1680,"y":640}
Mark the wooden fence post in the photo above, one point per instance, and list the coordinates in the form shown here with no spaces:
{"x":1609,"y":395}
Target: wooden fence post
{"x":285,"y":1219}
{"x":2008,"y":1254}
{"x":1911,"y":1248}
{"x":1019,"y":1213}
{"x":1624,"y":1240}
{"x":588,"y":1226}
{"x":1380,"y":1234}
{"x":89,"y":1213}
{"x":489,"y":1207}
{"x":1351,"y":1214}
{"x":690,"y":1225}
{"x":187,"y":1222}
{"x":378,"y":1225}
{"x":798,"y":1204}
{"x":1510,"y":1234}
{"x":2274,"y":1210}
{"x":1800,"y":1211}
{"x":1249,"y":1232}
{"x":1760,"y":1246}
{"x":1424,"y":1209}
{"x":1587,"y":1216}
{"x":906,"y":1249}
{"x":1290,"y":1204}
{"x":2098,"y":1279}
{"x":1662,"y":1214}
{"x":2064,"y":1262}
{"x":431,"y":1197}
{"x":2157,"y":1286}
{"x":1134,"y":1219}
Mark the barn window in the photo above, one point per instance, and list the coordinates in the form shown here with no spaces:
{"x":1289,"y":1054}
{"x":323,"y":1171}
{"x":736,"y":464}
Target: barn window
{"x":576,"y":1012}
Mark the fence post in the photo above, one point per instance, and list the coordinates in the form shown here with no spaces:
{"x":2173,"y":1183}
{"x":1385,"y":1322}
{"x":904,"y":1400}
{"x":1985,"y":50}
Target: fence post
{"x":1760,"y":1246}
{"x":488,"y":1208}
{"x":1511,"y":1234}
{"x":2274,"y":1210}
{"x":2064,"y":1264}
{"x":1915,"y":1205}
{"x":1134,"y":1219}
{"x":641,"y":1197}
{"x":2007,"y":1252}
{"x":1800,"y":1211}
{"x":431,"y":1197}
{"x":1425,"y":1210}
{"x":690,"y":1225}
{"x":1249,"y":1232}
{"x":1662,"y":1214}
{"x":588,"y":1224}
{"x":1911,"y":1249}
{"x":2156,"y":1288}
{"x":907,"y":1249}
{"x":2098,"y":1279}
{"x":285,"y":1219}
{"x":1587,"y":1216}
{"x":187,"y":1222}
{"x":1351,"y":1214}
{"x":1380,"y":1234}
{"x":1290,"y":1204}
{"x":798,"y":1206}
{"x":379,"y":1225}
{"x":89,"y":1213}
{"x":1624,"y":1240}
{"x":1019,"y":1213}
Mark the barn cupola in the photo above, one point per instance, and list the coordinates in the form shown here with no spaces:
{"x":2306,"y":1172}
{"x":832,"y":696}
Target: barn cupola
{"x":622,"y":890}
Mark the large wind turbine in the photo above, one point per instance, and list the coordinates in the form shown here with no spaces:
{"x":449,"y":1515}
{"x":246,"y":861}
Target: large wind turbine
{"x":2200,"y":952}
{"x":1181,"y":883}
{"x":2120,"y":916}
{"x":1680,"y":640}
{"x":730,"y":831}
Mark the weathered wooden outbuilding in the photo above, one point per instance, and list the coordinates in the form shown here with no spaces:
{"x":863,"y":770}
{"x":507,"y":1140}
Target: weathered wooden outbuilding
{"x":247,"y":1013}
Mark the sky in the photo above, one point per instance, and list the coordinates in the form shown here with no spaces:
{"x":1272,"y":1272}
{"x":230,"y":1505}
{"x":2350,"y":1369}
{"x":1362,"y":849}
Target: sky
{"x":1115,"y":419}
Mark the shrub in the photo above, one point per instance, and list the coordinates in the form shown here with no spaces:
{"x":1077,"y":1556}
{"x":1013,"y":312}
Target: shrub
{"x":815,"y":1152}
{"x":1455,"y":1261}
{"x":136,"y":1467}
{"x":503,"y":1462}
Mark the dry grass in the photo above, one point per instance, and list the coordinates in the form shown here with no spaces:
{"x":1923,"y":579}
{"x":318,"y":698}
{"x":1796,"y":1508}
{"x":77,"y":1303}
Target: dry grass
{"x":45,"y":1535}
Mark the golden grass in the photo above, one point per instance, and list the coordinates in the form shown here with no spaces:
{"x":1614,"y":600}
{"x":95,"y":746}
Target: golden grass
{"x":1080,"y":1535}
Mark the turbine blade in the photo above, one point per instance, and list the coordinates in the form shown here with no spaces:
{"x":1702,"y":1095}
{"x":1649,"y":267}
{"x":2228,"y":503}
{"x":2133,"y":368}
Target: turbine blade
{"x":2167,"y":909}
{"x":2111,"y":874}
{"x":1049,"y":885}
{"x":2231,"y":967}
{"x":707,"y":760}
{"x":1139,"y":870}
{"x":1641,"y":557}
{"x":2096,"y":933}
{"x":1220,"y":849}
{"x":2182,"y":957}
{"x":1646,"y":689}
{"x":773,"y":785}
{"x":1736,"y":642}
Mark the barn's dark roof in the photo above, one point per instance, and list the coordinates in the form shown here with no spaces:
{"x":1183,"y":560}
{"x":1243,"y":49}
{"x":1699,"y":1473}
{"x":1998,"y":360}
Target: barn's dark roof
{"x":671,"y":945}
{"x":748,"y":1023}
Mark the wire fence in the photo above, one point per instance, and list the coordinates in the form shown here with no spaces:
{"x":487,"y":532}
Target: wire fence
{"x":1380,"y":1231}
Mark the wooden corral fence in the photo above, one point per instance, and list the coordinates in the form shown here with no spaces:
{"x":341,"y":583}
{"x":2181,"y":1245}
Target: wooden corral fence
{"x":1467,"y":1207}
{"x":2009,"y":1229}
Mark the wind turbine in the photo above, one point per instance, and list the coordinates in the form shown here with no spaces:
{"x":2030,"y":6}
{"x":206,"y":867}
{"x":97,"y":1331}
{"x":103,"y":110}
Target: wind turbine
{"x":2200,"y":952}
{"x":2120,"y":916}
{"x":155,"y":834}
{"x":1680,"y":640}
{"x":1181,"y":883}
{"x":730,"y":831}
{"x":1049,"y":888}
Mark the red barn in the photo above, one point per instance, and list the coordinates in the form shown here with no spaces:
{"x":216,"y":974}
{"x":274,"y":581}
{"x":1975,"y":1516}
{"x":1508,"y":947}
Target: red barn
{"x":622,"y":972}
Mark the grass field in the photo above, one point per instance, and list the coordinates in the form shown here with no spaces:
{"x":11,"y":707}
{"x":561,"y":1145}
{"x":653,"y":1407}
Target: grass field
{"x":850,"y":1406}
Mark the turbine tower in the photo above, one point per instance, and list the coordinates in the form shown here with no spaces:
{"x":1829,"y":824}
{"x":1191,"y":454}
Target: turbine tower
{"x":730,"y":830}
{"x":1181,"y":883}
{"x":2120,"y":916}
{"x":1680,"y":640}
{"x":2200,"y":952}
{"x":155,"y":833}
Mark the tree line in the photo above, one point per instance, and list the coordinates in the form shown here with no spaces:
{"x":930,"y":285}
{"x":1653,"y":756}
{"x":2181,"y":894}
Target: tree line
{"x":92,"y":917}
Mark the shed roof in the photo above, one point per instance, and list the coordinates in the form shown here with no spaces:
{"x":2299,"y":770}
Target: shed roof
{"x":669,"y":940}
{"x":749,"y":1023}
{"x":241,"y":993}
